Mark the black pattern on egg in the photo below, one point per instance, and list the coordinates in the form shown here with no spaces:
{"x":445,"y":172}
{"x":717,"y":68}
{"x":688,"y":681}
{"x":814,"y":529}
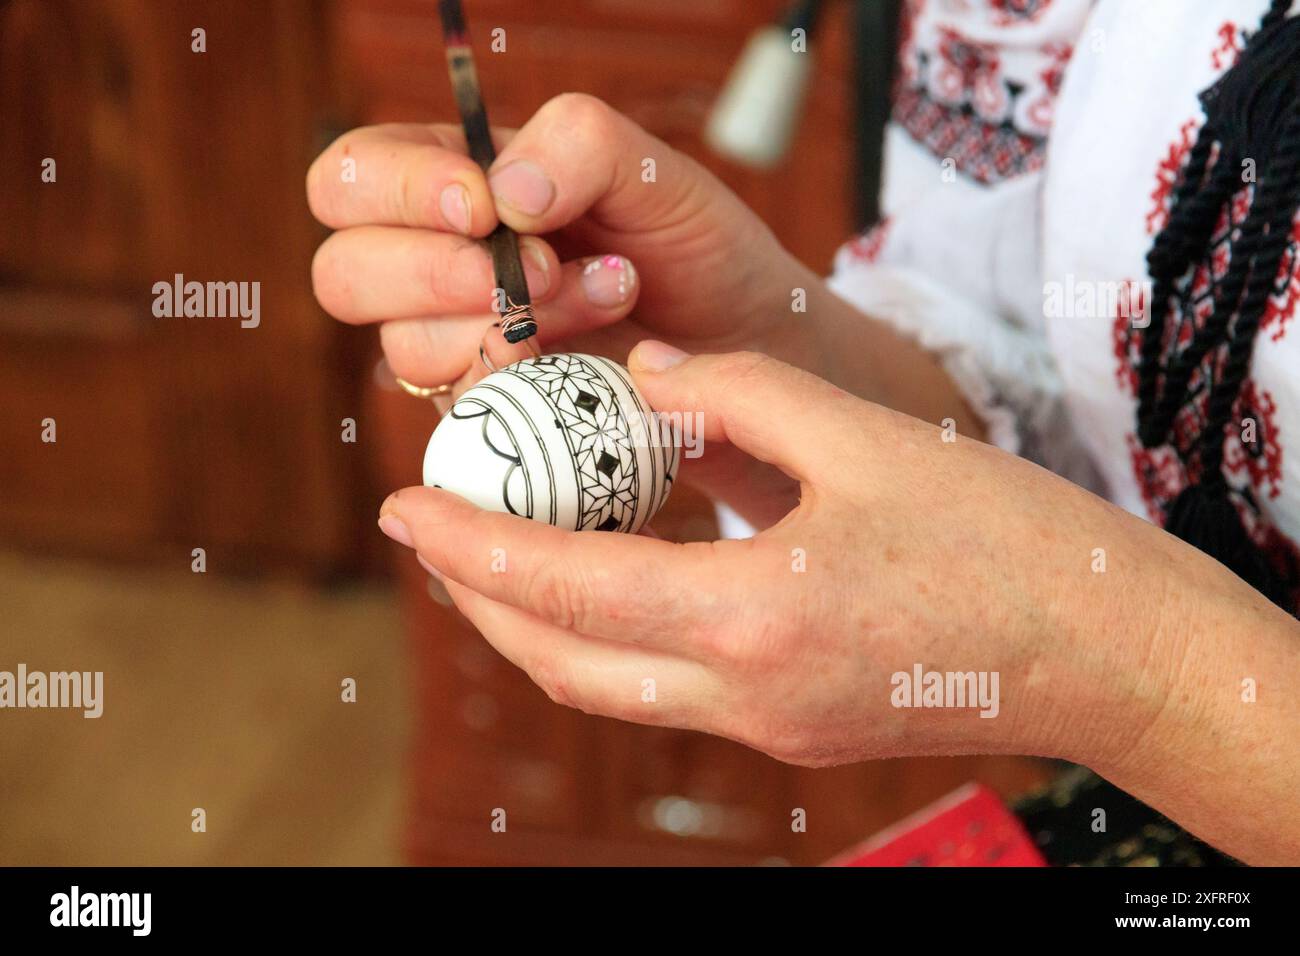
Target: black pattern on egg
{"x":566,"y":439}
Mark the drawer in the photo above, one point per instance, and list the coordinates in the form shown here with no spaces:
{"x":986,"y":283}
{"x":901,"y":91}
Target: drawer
{"x":668,"y":786}
{"x":484,"y":735}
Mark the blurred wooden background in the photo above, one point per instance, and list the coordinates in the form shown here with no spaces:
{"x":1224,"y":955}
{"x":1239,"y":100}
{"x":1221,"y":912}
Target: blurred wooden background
{"x":172,"y":433}
{"x":183,"y":433}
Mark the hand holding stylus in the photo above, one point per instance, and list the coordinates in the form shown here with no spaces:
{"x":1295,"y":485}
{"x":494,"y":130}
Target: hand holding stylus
{"x":599,"y":239}
{"x":622,"y":238}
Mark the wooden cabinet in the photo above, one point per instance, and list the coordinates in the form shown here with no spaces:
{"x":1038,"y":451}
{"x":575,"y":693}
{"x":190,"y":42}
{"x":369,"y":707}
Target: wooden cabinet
{"x":172,"y":433}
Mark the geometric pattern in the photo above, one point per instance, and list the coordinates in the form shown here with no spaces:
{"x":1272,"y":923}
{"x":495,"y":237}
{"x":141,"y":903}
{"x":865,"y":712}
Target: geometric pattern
{"x":982,"y":107}
{"x":1254,"y":469}
{"x":596,"y":429}
{"x":1009,"y":13}
{"x":988,"y":153}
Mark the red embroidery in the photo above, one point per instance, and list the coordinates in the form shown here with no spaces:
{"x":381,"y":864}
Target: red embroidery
{"x":867,"y":246}
{"x":1285,"y":300}
{"x":1040,"y":111}
{"x":968,"y":74}
{"x":985,"y":153}
{"x":907,"y":60}
{"x":1162,"y":475}
{"x":1167,"y":171}
{"x":1010,"y":13}
{"x":1123,"y":342}
{"x":1231,"y":42}
{"x":1252,"y":447}
{"x":1253,"y":453}
{"x":953,"y":97}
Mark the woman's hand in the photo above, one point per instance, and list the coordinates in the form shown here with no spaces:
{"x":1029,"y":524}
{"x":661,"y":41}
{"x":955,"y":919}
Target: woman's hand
{"x":1113,"y":644}
{"x":621,"y":236}
{"x":903,"y":549}
{"x":616,"y":225}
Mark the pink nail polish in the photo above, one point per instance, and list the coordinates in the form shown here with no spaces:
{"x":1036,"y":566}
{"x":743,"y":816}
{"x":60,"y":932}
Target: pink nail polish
{"x":607,"y":281}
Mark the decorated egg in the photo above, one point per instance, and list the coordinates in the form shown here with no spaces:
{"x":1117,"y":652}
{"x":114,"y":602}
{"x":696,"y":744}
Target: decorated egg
{"x":566,"y":439}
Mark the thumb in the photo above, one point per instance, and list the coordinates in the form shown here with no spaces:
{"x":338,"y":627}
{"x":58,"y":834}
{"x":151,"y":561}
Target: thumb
{"x":776,"y":412}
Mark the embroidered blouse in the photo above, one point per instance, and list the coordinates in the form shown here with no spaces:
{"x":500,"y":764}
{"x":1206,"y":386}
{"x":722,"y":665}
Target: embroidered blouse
{"x":1029,"y":162}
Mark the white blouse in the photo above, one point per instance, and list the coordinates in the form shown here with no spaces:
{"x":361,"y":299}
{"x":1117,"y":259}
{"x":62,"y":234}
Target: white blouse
{"x":1029,"y":164}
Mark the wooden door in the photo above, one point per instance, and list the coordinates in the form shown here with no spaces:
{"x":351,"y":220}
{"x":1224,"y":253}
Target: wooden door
{"x":129,"y":157}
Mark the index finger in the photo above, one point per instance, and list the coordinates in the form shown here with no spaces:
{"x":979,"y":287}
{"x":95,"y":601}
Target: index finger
{"x":403,"y":174}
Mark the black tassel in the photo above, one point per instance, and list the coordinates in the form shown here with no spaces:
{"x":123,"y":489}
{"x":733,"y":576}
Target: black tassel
{"x":1251,"y":102}
{"x":1251,"y":113}
{"x":1205,"y":517}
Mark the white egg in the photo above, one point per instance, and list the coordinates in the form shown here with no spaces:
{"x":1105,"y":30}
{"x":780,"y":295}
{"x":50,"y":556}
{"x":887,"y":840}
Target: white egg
{"x":566,"y":439}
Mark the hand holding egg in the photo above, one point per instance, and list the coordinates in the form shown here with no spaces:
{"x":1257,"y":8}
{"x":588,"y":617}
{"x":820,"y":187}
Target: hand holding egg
{"x":566,"y":439}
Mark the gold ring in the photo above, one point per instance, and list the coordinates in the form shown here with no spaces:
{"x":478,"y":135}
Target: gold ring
{"x":421,"y":392}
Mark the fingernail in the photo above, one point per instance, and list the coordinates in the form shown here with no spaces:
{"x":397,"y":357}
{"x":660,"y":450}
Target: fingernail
{"x":524,"y":186}
{"x":434,"y":572}
{"x":454,"y":202}
{"x":392,"y":526}
{"x":539,"y":276}
{"x":659,"y":356}
{"x":607,"y":281}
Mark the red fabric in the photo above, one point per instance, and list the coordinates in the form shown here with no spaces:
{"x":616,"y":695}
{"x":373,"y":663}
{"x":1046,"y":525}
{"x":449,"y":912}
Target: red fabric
{"x":969,"y":827}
